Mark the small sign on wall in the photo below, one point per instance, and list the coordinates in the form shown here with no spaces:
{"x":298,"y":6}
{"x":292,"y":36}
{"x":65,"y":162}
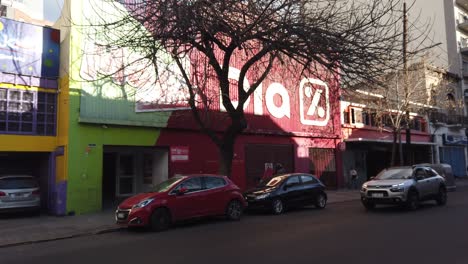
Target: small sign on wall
{"x":179,"y":153}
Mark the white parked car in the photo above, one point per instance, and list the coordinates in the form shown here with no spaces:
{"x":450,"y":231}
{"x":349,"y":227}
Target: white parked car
{"x":19,"y":193}
{"x":406,"y":186}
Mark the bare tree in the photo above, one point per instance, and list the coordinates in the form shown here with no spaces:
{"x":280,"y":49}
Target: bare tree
{"x":190,"y":45}
{"x":427,"y":90}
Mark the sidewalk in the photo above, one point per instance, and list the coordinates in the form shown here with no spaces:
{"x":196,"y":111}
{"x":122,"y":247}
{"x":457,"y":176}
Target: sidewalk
{"x":24,"y":229}
{"x":17,"y":230}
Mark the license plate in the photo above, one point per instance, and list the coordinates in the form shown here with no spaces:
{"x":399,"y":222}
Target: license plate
{"x":377,"y":195}
{"x":120,"y":215}
{"x":18,"y":195}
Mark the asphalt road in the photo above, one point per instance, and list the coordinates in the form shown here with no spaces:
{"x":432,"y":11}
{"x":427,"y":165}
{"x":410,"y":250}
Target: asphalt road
{"x":342,"y":233}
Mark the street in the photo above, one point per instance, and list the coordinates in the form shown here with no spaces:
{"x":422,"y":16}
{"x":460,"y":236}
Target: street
{"x":342,"y":233}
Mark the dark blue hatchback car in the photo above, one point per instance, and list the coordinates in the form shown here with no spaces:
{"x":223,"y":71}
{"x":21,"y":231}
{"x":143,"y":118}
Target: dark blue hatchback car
{"x":287,"y":190}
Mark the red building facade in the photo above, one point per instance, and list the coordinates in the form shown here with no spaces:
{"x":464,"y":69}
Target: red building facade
{"x":292,"y":119}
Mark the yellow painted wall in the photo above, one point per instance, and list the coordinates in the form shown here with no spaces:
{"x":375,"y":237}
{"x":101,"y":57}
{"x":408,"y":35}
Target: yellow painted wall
{"x":63,"y":123}
{"x":27,"y":143}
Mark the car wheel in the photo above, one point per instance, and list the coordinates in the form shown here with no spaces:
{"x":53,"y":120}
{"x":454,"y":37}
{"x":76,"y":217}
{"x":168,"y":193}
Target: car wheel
{"x":321,"y":201}
{"x":368,"y":205}
{"x":412,"y":202}
{"x":277,"y":206}
{"x":441,"y":196}
{"x":234,"y":210}
{"x":160,"y":220}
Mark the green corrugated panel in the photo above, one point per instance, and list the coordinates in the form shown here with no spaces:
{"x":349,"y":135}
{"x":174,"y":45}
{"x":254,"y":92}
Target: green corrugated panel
{"x":118,"y":111}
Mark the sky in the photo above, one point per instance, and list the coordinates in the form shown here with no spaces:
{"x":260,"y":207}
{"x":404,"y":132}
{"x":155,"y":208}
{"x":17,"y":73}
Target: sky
{"x":52,"y":9}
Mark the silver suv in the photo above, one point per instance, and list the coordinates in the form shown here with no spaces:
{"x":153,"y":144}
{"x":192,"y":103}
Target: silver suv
{"x":405,"y":186}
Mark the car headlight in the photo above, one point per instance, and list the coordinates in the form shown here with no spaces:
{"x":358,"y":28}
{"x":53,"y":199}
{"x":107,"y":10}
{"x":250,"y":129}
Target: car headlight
{"x":143,"y":203}
{"x":364,"y":187}
{"x":398,"y":187}
{"x":262,"y":196}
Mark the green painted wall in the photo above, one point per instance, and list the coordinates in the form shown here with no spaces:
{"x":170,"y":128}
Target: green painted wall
{"x":91,"y":118}
{"x":85,"y":163}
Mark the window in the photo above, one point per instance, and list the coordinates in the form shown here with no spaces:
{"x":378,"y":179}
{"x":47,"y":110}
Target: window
{"x":214,"y":182}
{"x":346,"y":117}
{"x":3,"y":11}
{"x":431,"y":173}
{"x":356,"y":116}
{"x":148,"y":168}
{"x":387,"y":121}
{"x":46,"y":113}
{"x":366,"y":118}
{"x":308,"y":179}
{"x":27,"y":112}
{"x":374,"y":119}
{"x":420,"y":173}
{"x":18,"y":183}
{"x":292,"y":180}
{"x":192,"y":185}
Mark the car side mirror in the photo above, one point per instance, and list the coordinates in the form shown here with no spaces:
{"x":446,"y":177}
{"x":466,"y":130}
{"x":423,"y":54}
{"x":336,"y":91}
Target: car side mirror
{"x":371,"y":178}
{"x":289,"y":185}
{"x":182,"y":191}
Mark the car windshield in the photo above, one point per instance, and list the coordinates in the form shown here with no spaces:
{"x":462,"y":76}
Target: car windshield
{"x":167,"y":184}
{"x":395,"y":173}
{"x":18,"y":183}
{"x":274,"y":181}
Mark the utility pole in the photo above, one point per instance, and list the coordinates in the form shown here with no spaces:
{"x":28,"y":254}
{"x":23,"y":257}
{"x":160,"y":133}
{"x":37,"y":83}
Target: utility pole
{"x":405,"y":80}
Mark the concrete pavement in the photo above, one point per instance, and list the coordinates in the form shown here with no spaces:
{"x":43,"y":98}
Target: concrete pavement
{"x":24,"y":229}
{"x":18,"y":230}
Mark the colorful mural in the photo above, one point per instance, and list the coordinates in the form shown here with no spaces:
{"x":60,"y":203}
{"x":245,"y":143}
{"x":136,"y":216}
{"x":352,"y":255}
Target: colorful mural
{"x":27,"y":49}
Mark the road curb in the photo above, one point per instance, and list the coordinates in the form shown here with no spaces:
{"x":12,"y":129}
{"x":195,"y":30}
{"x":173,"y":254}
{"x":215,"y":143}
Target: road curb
{"x":343,"y":201}
{"x":62,"y":237}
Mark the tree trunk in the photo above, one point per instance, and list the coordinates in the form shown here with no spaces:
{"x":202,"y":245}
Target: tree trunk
{"x":394,"y":147}
{"x":226,"y":154}
{"x":400,"y":147}
{"x":408,"y":146}
{"x":226,"y":149}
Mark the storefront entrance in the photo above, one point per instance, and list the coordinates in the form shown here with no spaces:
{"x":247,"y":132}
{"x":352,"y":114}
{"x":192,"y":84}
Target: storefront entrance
{"x":131,"y":170}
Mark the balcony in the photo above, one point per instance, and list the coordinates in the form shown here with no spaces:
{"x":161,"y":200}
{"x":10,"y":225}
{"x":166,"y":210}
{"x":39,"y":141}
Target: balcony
{"x":465,"y":71}
{"x":463,"y":23}
{"x":464,"y":47}
{"x":452,"y":120}
{"x":462,"y":4}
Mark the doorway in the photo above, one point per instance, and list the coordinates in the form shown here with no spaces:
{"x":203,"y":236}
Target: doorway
{"x":131,"y":170}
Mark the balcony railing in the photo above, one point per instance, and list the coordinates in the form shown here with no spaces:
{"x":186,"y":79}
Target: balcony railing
{"x":465,"y":70}
{"x":464,"y":46}
{"x":453,"y":119}
{"x":463,"y":4}
{"x":463,"y":23}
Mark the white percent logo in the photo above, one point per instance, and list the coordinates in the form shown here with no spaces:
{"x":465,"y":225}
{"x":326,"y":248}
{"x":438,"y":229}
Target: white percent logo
{"x":314,"y":107}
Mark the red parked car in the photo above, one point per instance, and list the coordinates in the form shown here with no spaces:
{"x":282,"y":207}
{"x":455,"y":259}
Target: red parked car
{"x":182,"y":197}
